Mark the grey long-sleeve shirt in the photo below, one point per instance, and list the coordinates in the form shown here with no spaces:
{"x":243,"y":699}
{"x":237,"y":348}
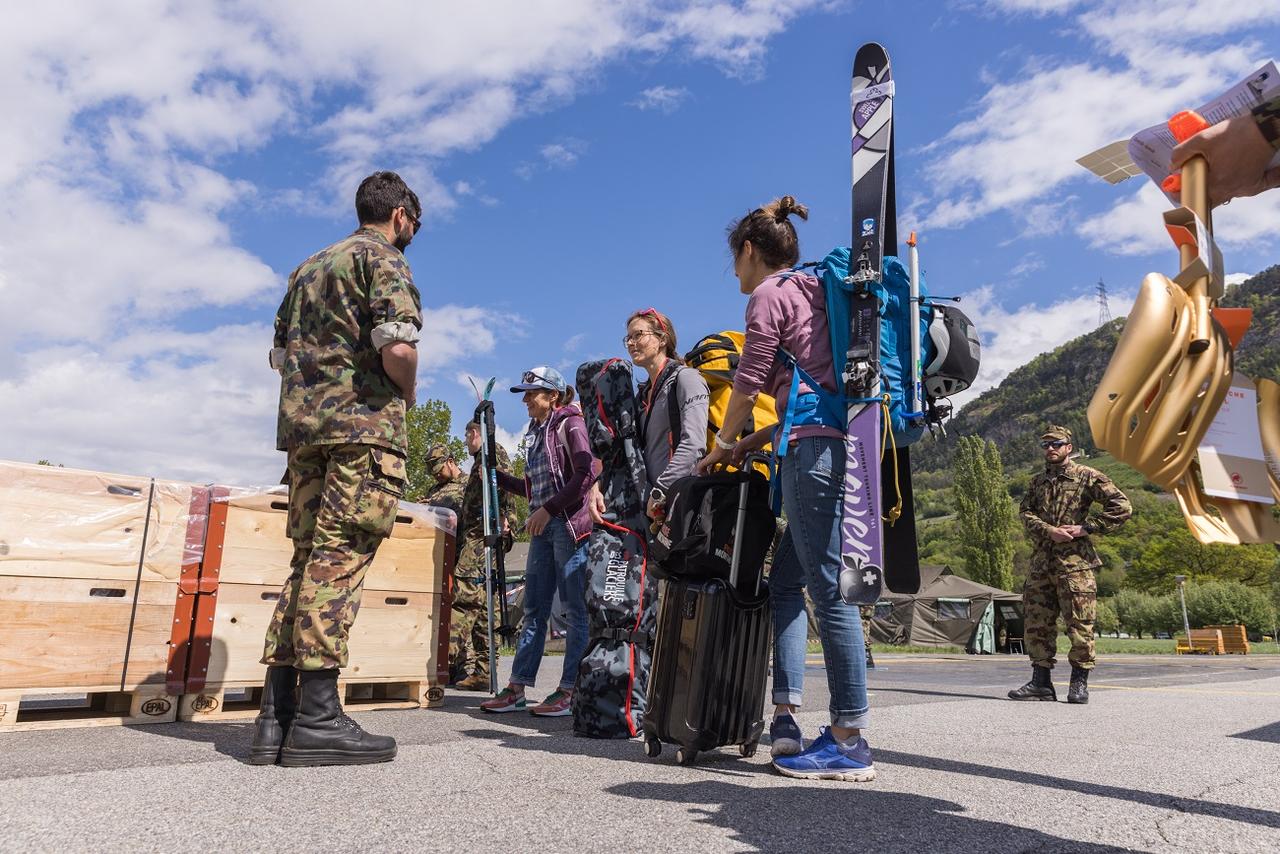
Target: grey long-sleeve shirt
{"x":664,"y":466}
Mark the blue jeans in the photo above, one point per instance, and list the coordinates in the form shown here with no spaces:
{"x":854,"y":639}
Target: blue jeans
{"x":555,"y":563}
{"x":812,"y":476}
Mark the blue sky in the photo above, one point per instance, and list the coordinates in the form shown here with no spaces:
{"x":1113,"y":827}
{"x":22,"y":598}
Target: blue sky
{"x":578,"y":160}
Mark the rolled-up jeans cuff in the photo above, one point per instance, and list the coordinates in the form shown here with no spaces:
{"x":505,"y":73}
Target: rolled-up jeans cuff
{"x":522,"y":681}
{"x":786,"y":698}
{"x":850,"y":720}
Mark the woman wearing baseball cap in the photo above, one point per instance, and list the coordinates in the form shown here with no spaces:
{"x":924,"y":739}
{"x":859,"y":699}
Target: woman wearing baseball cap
{"x":558,"y":476}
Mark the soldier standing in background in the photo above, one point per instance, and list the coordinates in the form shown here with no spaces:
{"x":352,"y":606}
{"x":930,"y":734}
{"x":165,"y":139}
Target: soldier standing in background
{"x":1055,"y":510}
{"x":469,"y":624}
{"x":449,"y":485}
{"x":345,"y":347}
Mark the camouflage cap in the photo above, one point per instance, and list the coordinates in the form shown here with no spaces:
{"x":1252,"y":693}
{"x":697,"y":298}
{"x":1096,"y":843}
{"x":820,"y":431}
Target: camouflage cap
{"x":436,"y":458}
{"x":1054,"y":433}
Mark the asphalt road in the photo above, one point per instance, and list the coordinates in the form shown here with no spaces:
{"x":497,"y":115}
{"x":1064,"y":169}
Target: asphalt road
{"x":1170,"y":755}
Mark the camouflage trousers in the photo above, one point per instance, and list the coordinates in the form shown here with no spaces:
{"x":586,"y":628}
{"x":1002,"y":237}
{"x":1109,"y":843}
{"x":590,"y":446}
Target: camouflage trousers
{"x":469,"y":629}
{"x":866,"y":612}
{"x":1050,"y":591}
{"x":342,"y":505}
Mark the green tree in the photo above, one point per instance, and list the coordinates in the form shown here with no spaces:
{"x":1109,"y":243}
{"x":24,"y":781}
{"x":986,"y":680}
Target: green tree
{"x":984,"y":512}
{"x":1107,"y":622}
{"x":1227,"y":603}
{"x":428,"y":425}
{"x":1179,"y":553}
{"x":1131,"y":609}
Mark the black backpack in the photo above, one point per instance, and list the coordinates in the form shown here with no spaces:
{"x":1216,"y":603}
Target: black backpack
{"x":957,"y":352}
{"x":696,"y":539}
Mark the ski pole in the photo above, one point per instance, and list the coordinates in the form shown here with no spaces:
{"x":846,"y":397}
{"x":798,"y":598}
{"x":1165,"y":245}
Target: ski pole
{"x":915,"y":397}
{"x":484,"y":415}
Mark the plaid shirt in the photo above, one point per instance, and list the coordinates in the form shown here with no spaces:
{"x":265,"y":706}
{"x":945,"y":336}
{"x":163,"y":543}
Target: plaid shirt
{"x":538,"y":467}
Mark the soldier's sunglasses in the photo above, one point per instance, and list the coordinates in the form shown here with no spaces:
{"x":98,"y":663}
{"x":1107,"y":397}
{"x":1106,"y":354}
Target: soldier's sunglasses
{"x":1056,"y":443}
{"x":417,"y":223}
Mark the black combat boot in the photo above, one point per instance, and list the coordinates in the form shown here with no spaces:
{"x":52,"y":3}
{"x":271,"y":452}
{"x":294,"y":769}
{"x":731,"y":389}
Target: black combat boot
{"x":322,"y":735}
{"x":871,"y":662}
{"x":1079,"y":690}
{"x":275,"y":716}
{"x":1039,"y":688}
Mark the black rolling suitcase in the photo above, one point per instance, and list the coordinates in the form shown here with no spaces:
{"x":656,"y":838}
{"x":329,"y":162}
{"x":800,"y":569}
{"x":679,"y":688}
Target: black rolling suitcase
{"x":711,"y":658}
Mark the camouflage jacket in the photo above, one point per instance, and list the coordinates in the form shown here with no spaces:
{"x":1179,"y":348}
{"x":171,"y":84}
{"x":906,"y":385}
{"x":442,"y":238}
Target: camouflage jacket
{"x":333,"y":388}
{"x":1063,"y":495}
{"x":447,"y":493}
{"x":471,"y":519}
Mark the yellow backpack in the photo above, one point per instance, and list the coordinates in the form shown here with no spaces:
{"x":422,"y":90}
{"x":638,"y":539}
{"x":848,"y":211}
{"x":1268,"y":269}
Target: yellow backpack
{"x":716,"y":358}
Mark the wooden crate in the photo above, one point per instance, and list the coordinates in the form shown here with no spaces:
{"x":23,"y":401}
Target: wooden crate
{"x":67,"y":523}
{"x":393,"y":638}
{"x":1234,"y":640}
{"x":256,"y":548}
{"x":400,"y":635}
{"x":76,"y":632}
{"x":95,"y":705}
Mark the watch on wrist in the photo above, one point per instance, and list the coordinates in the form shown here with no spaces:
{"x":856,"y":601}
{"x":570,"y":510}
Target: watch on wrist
{"x":723,"y":445}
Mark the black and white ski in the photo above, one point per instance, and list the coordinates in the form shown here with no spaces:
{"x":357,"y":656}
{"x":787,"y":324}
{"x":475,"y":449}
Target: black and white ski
{"x":861,"y":526}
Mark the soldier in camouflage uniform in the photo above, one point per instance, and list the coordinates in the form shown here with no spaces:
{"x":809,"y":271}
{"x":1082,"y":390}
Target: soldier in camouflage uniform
{"x":1055,"y":510}
{"x":449,"y":484}
{"x":469,"y":624}
{"x":345,"y":337}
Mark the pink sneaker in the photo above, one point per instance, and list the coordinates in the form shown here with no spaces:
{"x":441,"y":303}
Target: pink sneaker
{"x":558,"y":704}
{"x":507,"y":700}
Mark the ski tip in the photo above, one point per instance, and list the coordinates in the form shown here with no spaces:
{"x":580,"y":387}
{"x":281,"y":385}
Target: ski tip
{"x":911,"y":241}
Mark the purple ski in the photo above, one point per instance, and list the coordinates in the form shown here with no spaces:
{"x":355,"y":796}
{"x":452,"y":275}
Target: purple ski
{"x":861,"y":529}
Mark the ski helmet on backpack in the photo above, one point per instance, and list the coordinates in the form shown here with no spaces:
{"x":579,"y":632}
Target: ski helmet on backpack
{"x":957,"y":352}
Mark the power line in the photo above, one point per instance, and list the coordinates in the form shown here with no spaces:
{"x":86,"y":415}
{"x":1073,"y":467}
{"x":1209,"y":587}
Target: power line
{"x":1104,"y":310}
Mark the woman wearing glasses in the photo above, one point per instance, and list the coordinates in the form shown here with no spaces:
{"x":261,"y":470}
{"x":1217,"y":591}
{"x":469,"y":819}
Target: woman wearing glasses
{"x":558,"y":475}
{"x":673,"y":408}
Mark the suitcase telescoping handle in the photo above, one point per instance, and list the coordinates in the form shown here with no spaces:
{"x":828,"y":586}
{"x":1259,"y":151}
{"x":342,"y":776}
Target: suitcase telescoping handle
{"x":744,"y":489}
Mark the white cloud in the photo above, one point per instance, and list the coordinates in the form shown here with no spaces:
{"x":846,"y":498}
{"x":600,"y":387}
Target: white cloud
{"x":1011,"y":338}
{"x":1233,"y":279}
{"x":1134,"y":225}
{"x":1034,"y":7}
{"x":115,"y":191}
{"x":1019,"y":144}
{"x":666,"y":99}
{"x":168,"y":404}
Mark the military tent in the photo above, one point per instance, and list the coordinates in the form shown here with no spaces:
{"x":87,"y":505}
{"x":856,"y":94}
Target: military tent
{"x":950,"y":611}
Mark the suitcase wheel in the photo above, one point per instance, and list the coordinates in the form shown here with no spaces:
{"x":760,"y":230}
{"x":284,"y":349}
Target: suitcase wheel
{"x":748,"y":750}
{"x":652,"y":747}
{"x":685,"y":756}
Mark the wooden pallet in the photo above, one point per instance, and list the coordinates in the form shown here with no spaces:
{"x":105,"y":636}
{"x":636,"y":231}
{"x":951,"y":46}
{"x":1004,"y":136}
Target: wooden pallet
{"x":22,"y":710}
{"x":231,"y":702}
{"x":1234,"y":640}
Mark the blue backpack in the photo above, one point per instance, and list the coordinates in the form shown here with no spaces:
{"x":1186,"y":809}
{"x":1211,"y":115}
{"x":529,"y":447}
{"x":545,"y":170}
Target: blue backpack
{"x":894,"y":293}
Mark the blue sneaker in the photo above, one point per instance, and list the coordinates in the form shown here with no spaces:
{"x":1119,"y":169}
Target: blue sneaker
{"x":827,"y":759}
{"x":785,"y":736}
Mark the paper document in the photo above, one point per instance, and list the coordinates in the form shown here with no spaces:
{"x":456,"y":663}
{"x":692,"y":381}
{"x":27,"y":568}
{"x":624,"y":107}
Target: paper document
{"x":1231,"y":457}
{"x":1152,"y":149}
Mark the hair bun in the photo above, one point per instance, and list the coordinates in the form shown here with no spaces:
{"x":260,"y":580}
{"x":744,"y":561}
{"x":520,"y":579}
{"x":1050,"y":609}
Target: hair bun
{"x":784,"y":207}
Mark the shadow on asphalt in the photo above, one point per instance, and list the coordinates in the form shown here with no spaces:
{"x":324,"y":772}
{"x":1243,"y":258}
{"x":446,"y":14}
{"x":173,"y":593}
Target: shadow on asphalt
{"x":876,"y":689}
{"x":1245,"y":815}
{"x":1269,"y":733}
{"x":844,"y":817}
{"x":230,"y":738}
